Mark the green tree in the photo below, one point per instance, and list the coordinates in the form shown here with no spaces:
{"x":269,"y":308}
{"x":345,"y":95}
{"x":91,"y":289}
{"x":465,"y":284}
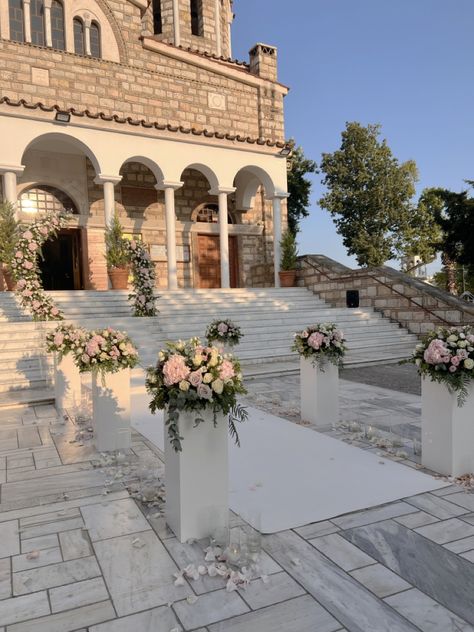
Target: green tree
{"x":299,"y":187}
{"x":116,"y":254}
{"x":9,"y":233}
{"x":423,"y":233}
{"x":369,"y":195}
{"x":289,"y":251}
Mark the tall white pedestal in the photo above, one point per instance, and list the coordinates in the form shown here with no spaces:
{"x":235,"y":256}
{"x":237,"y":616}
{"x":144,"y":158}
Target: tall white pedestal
{"x":319,"y":393}
{"x":111,"y":410}
{"x":67,"y":383}
{"x":197,"y":479}
{"x":447,"y":430}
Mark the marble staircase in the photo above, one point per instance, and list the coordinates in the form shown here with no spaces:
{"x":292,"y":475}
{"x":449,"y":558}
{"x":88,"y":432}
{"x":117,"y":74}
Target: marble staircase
{"x":268,"y":318}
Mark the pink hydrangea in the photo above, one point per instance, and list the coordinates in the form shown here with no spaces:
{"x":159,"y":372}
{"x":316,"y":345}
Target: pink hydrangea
{"x":33,"y":246}
{"x":175,"y":370}
{"x":43,"y":230}
{"x":21,"y":283}
{"x":28,"y":265}
{"x":27,"y":234}
{"x":315,"y":340}
{"x":437,"y":352}
{"x":58,"y":338}
{"x":227,"y":370}
{"x":222,"y":328}
{"x":18,"y":254}
{"x":55,"y":311}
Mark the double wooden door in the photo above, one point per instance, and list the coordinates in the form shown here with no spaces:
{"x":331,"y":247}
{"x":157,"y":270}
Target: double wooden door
{"x":209,"y":261}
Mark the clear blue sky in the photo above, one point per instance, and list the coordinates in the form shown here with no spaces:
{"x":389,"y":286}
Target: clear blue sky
{"x":406,"y":64}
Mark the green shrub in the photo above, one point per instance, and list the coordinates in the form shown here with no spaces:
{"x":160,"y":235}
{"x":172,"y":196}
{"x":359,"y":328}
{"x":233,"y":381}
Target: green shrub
{"x":9,"y":232}
{"x":116,"y":255}
{"x":289,"y":251}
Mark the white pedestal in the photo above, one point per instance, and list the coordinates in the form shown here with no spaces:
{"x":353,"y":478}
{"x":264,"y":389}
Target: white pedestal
{"x":319,"y":393}
{"x":197,"y":479}
{"x":111,"y":410}
{"x":447,"y":430}
{"x":67,"y":383}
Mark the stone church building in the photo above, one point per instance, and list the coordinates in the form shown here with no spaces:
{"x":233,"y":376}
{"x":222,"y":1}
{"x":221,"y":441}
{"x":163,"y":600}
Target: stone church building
{"x":137,"y":107}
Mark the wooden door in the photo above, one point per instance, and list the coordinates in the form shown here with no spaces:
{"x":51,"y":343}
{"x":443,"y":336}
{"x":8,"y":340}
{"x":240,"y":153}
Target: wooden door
{"x":209,"y":262}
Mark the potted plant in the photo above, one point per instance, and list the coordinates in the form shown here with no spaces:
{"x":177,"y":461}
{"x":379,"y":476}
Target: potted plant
{"x":9,"y":234}
{"x":445,"y":361}
{"x":321,"y":349}
{"x":289,"y":259}
{"x":197,"y":388}
{"x":116,"y":255}
{"x":224,"y":334}
{"x":109,"y":355}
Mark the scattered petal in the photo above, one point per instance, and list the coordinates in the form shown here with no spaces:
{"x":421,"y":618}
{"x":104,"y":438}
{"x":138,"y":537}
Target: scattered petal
{"x":191,"y":599}
{"x":265,"y":579}
{"x":296,"y":561}
{"x":34,"y":555}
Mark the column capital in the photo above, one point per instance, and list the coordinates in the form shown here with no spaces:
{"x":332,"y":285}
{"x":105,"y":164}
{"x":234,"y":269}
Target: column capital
{"x":225,"y":190}
{"x":17,"y":169}
{"x":279,"y":195}
{"x":103,"y":179}
{"x":167,"y":184}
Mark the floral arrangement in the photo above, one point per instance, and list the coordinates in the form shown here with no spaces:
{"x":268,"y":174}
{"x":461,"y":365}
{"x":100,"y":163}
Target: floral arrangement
{"x":106,"y":351}
{"x":192,"y":377}
{"x":447,"y":355}
{"x":65,"y":339}
{"x":223,"y":331}
{"x":143,"y":271}
{"x":321,"y":342}
{"x":24,"y":266}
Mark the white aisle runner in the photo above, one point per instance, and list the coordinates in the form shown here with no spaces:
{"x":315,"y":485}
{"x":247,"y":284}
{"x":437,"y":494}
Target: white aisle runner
{"x":295,"y":475}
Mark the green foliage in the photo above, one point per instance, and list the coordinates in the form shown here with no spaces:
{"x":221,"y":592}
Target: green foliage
{"x":299,"y":187}
{"x":9,"y":232}
{"x":423,"y":235}
{"x":456,"y":220}
{"x":464,"y":278}
{"x":369,"y":195}
{"x":289,"y":251}
{"x":116,"y":254}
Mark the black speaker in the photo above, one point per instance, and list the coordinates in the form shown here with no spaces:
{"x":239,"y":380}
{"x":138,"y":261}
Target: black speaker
{"x":352,"y":298}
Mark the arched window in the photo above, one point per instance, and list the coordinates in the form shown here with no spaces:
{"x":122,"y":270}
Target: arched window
{"x":209,"y":214}
{"x":196,"y":17}
{"x":44,"y":198}
{"x":17,"y":27}
{"x":79,"y":46}
{"x":57,"y":25}
{"x":157,"y":21}
{"x":95,"y":40}
{"x":37,"y":22}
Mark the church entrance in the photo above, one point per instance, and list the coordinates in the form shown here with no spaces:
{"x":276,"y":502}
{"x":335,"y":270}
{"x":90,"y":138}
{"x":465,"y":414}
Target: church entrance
{"x":209,"y":262}
{"x":60,"y":266}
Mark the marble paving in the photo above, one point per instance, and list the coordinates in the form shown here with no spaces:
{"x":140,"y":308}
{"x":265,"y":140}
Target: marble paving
{"x":79,"y":553}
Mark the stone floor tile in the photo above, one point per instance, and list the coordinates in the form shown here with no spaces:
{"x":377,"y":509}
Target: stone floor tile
{"x":463,"y":500}
{"x":336,"y":549}
{"x":28,"y":437}
{"x":334,"y":589}
{"x":78,"y":594}
{"x":5,"y":578}
{"x":426,"y":613}
{"x":418,"y":519}
{"x":445,"y":491}
{"x":22,"y":608}
{"x":75,"y":543}
{"x":441,"y":574}
{"x":469,"y":556}
{"x":368,"y":516}
{"x":50,"y":516}
{"x":55,"y":575}
{"x":469,"y":518}
{"x":138,"y":572}
{"x":22,"y":474}
{"x":42,"y":486}
{"x":112,"y":519}
{"x":438,"y":507}
{"x":302,"y":614}
{"x":51,"y":527}
{"x":14,"y":462}
{"x":9,"y":538}
{"x":380,"y":580}
{"x":447,"y":531}
{"x":41,"y":542}
{"x":209,"y":608}
{"x":68,"y":621}
{"x":461,"y":546}
{"x":48,"y":556}
{"x":317,"y":529}
{"x":277,"y":588}
{"x":155,"y":620}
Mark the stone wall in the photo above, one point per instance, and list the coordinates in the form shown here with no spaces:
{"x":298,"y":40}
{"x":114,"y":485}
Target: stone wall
{"x":413,"y":304}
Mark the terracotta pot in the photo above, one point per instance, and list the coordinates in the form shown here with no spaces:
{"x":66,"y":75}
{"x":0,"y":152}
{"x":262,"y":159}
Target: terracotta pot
{"x":118,"y":278}
{"x":287,"y":278}
{"x":9,"y":280}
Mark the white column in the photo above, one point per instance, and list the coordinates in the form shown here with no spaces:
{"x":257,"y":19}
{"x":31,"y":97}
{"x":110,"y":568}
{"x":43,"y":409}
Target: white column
{"x":27,"y":20}
{"x":169,"y":188}
{"x":47,"y":23}
{"x":108,"y":182}
{"x":10,"y":176}
{"x":277,"y":234}
{"x":87,"y":33}
{"x":217,"y":13}
{"x":176,"y":25}
{"x":222,"y":194}
{"x":230,"y":19}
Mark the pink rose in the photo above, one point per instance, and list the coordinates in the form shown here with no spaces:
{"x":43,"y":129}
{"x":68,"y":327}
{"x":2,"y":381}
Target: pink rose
{"x":452,"y":369}
{"x":227,"y":370}
{"x":85,"y":358}
{"x":27,"y":234}
{"x":195,"y":378}
{"x":36,"y":305}
{"x":19,"y":254}
{"x":21,"y":283}
{"x":43,"y":230}
{"x":455,"y":360}
{"x":222,"y":328}
{"x":204,"y":392}
{"x":32,"y":247}
{"x":55,"y":311}
{"x":315,"y":340}
{"x":58,"y":339}
{"x":28,"y":265}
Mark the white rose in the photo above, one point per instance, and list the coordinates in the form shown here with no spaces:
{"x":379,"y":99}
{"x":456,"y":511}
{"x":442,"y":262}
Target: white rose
{"x":207,"y":378}
{"x":218,"y":386}
{"x":418,"y":362}
{"x":462,"y":344}
{"x":469,"y":364}
{"x":184,"y":386}
{"x":161,"y":356}
{"x":452,"y":338}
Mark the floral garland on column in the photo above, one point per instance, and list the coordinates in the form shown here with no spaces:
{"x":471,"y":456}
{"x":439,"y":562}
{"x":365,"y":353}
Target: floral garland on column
{"x":143,"y":271}
{"x":25,"y":270}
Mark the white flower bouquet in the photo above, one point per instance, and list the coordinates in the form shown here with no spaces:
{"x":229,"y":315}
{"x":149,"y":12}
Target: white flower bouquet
{"x":105,"y":351}
{"x":447,"y":355}
{"x":224,"y":331}
{"x":193,"y":377}
{"x":320,"y":343}
{"x":65,"y":339}
{"x":143,"y":271}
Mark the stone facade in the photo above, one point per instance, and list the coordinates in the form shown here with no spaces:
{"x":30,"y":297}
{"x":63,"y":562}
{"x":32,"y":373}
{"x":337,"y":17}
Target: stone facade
{"x":172,"y":85}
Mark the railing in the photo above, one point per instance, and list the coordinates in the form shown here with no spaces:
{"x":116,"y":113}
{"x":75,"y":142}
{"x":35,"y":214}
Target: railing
{"x":468,"y":297}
